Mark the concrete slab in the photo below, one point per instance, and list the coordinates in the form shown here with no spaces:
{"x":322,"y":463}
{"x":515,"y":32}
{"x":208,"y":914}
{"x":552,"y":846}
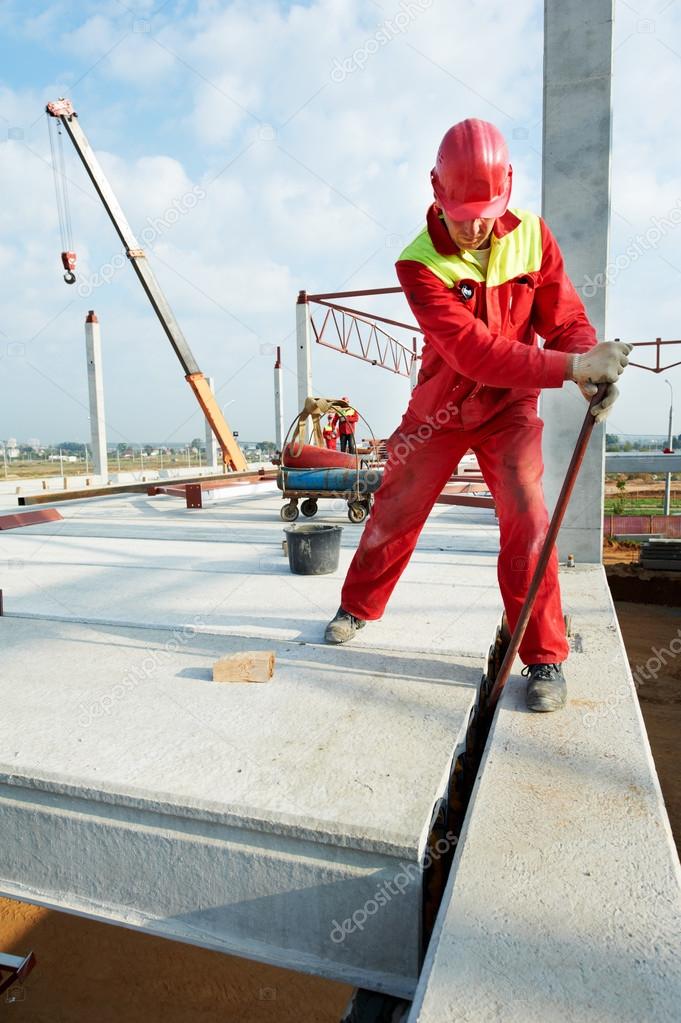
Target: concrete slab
{"x":642,"y":462}
{"x":250,"y":818}
{"x":565,"y":895}
{"x":222,"y":569}
{"x":245,"y":518}
{"x":261,"y":820}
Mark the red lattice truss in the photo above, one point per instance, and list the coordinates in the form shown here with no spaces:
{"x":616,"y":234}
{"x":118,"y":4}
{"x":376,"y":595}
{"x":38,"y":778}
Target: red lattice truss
{"x":657,"y":345}
{"x":357,"y":333}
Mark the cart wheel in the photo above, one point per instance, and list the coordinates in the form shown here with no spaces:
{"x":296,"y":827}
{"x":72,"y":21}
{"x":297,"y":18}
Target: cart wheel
{"x":289,"y":512}
{"x":357,"y":511}
{"x":309,"y":507}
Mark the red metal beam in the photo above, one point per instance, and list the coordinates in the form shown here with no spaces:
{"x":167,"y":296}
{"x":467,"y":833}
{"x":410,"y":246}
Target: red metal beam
{"x":32,"y":518}
{"x":390,"y":353}
{"x":466,"y":499}
{"x":354,"y":294}
{"x":657,"y":344}
{"x":370,"y":318}
{"x":395,"y":356}
{"x":193,"y":491}
{"x":124,"y":488}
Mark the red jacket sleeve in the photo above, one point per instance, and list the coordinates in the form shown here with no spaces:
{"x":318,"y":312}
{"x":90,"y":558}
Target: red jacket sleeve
{"x":558,"y":314}
{"x":466,"y":343}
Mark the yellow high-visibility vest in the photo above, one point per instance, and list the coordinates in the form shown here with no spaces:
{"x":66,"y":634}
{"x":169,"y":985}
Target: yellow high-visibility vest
{"x":517,"y":252}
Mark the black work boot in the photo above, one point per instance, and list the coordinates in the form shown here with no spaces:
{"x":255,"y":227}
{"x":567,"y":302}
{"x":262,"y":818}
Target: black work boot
{"x":342,"y":627}
{"x":546,"y":688}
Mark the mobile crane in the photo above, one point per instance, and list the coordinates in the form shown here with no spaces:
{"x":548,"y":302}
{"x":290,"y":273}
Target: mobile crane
{"x":62,"y":110}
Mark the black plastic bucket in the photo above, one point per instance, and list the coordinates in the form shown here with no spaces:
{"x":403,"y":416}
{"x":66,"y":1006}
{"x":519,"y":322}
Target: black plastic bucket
{"x":313,"y":549}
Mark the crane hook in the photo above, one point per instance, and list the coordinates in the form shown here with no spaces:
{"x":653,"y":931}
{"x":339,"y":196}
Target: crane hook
{"x":68,"y":256}
{"x":68,"y":261}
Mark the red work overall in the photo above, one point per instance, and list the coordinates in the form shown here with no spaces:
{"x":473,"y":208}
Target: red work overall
{"x":480,"y":377}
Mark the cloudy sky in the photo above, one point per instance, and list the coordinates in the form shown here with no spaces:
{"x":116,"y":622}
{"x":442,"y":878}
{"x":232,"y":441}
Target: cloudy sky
{"x":293,"y":142}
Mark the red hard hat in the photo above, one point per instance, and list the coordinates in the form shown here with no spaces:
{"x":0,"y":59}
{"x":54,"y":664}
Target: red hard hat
{"x":472,"y":173}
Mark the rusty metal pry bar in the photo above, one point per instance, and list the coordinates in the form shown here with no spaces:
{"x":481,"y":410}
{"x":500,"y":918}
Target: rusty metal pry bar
{"x":490,"y":699}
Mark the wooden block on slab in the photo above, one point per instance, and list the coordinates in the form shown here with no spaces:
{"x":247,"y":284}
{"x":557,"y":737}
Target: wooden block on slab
{"x":249,"y":666}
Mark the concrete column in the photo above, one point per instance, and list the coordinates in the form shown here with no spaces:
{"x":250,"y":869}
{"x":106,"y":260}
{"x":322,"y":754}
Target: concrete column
{"x":95,"y":381}
{"x":414,"y":374}
{"x":279,"y":426}
{"x":304,"y":348}
{"x":211,"y":439}
{"x":576,"y":205}
{"x":667,"y":506}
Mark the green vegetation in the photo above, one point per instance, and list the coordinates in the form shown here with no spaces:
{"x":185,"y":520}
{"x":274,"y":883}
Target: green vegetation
{"x":640,"y":506}
{"x":641,"y":495}
{"x":613,"y":442}
{"x":45,"y":462}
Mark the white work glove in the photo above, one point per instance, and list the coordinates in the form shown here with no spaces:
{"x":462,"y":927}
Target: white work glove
{"x":602,"y":410}
{"x":602,"y":364}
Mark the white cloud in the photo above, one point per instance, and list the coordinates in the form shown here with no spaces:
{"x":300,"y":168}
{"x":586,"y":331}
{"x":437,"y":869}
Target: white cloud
{"x":309,"y":183}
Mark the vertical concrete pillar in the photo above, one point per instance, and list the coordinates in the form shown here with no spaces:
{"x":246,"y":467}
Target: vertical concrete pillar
{"x":576,"y":206}
{"x":211,"y":440}
{"x":667,"y":506}
{"x":414,"y":374}
{"x":279,"y":427}
{"x":304,"y":348}
{"x":93,"y":352}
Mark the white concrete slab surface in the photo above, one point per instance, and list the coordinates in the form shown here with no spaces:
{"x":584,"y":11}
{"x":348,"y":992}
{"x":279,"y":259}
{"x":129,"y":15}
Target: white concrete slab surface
{"x":259,"y":819}
{"x":250,"y":818}
{"x":564,"y":899}
{"x":255,"y":819}
{"x":136,"y":711}
{"x":150,"y":561}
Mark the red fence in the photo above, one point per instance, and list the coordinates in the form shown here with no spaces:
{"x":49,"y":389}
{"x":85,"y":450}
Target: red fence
{"x":667,"y":525}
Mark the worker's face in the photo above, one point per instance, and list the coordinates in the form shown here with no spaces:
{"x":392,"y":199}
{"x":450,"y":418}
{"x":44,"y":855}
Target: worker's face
{"x":469,"y":234}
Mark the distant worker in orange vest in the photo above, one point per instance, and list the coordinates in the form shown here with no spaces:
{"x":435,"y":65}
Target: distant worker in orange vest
{"x":346,"y":418}
{"x":330,"y":433}
{"x":482,"y":281}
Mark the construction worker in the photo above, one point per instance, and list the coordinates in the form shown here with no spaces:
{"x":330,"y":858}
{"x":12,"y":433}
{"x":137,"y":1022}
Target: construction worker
{"x":330,"y":433}
{"x":346,"y":418}
{"x":482,"y":280}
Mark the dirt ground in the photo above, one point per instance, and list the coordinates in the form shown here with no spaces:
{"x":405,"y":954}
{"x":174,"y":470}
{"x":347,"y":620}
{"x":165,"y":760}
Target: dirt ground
{"x":647,"y":630}
{"x":642,"y":495}
{"x":641,"y":486}
{"x":90,"y":972}
{"x":619,"y":552}
{"x":648,"y":605}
